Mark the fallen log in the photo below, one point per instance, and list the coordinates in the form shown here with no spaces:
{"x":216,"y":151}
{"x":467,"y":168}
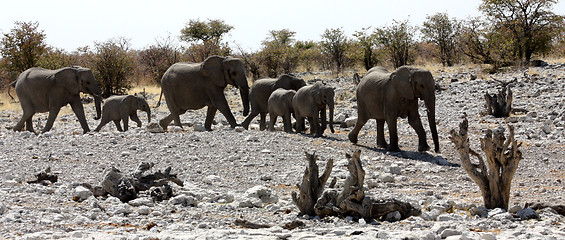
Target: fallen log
{"x":312,"y":186}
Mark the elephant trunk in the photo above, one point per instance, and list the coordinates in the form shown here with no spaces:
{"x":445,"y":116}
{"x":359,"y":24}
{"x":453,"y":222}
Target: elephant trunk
{"x":98,"y":105}
{"x":244,"y":92}
{"x":149,"y":115}
{"x":331,"y":107}
{"x":431,"y":107}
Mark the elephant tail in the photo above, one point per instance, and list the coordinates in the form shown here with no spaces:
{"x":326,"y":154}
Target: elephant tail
{"x":13,"y":84}
{"x":159,"y":101}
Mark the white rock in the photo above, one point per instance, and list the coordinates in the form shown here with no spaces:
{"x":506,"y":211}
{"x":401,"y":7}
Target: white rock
{"x":199,"y":128}
{"x":395,"y":169}
{"x":239,"y":129}
{"x":350,"y":121}
{"x":386,"y":177}
{"x":81,"y":193}
{"x":449,"y":232}
{"x":143,"y":210}
{"x":183,"y":200}
{"x":142,"y":201}
{"x":11,"y":183}
{"x":430,"y":215}
{"x":527,"y":213}
{"x":263,"y":193}
{"x":514,"y":209}
{"x":212,"y":179}
{"x":488,"y":236}
{"x":479,"y":211}
{"x":393,"y":216}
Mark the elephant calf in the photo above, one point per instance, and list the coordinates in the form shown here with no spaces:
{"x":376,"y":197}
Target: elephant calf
{"x":280,"y":104}
{"x":123,"y":108}
{"x":310,"y":102}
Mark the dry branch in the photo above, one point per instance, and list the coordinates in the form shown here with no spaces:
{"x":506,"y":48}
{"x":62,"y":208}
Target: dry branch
{"x":494,"y":176}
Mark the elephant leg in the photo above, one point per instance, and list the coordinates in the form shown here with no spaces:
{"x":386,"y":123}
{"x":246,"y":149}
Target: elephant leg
{"x":78,"y":109}
{"x":135,"y":118}
{"x":323,"y":121}
{"x":51,"y":119}
{"x":393,"y":132}
{"x":287,"y":123}
{"x":29,"y":124}
{"x":125,"y":120}
{"x":164,"y":123}
{"x":299,"y":124}
{"x":118,"y":125}
{"x":24,"y":120}
{"x":416,"y":123}
{"x":248,"y":119}
{"x":262,"y":121}
{"x":272,"y":121}
{"x":210,"y":114}
{"x":221,"y":104}
{"x":361,"y":120}
{"x":103,"y":122}
{"x":381,"y":141}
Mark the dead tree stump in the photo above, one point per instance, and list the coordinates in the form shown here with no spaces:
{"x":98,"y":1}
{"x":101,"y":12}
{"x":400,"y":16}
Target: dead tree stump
{"x":352,"y":200}
{"x":312,"y":186}
{"x":500,"y":104}
{"x":502,"y":157}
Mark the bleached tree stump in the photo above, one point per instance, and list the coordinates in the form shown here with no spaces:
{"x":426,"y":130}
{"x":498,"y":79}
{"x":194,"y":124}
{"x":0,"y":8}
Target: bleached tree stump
{"x":312,"y":186}
{"x":352,"y":201}
{"x":500,"y":104}
{"x":494,"y":176}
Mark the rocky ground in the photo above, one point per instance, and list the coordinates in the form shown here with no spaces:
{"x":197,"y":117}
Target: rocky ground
{"x":231,"y":175}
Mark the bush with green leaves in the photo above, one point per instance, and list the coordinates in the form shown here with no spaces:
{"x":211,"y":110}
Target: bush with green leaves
{"x":113,"y":64}
{"x":22,"y":47}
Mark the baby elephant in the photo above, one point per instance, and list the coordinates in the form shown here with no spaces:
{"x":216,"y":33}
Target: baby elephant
{"x":123,"y":108}
{"x":280,"y":104}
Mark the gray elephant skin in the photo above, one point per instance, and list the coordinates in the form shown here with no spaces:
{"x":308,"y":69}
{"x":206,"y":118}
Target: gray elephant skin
{"x":386,"y":96}
{"x":310,"y":102}
{"x":280,"y":104}
{"x":195,"y":85}
{"x":42,"y":90}
{"x":260,"y":92}
{"x":121,"y":109}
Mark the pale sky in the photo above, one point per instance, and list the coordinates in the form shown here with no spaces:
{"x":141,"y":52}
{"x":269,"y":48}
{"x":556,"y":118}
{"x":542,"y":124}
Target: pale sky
{"x":70,"y":24}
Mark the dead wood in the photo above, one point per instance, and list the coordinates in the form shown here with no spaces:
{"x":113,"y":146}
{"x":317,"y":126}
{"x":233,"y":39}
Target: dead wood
{"x":494,"y":176}
{"x":294,"y":224}
{"x":560,"y":209}
{"x":44,"y":175}
{"x":312,"y":186}
{"x":500,"y":104}
{"x":247,"y":224}
{"x":353,"y":202}
{"x":127,"y":186}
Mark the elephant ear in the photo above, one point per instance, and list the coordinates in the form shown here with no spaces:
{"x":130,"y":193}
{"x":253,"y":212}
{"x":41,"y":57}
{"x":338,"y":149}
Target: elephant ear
{"x":316,"y":93}
{"x":130,"y":101}
{"x":229,"y":65}
{"x":401,"y":81}
{"x":68,"y":78}
{"x":212,"y":69}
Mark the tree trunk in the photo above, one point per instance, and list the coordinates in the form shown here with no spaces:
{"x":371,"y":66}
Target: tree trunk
{"x":499,"y":105}
{"x":312,"y":186}
{"x":502,"y":158}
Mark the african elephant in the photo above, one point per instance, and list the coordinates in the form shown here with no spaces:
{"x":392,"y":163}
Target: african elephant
{"x":280,"y":104}
{"x":195,"y":85}
{"x":260,"y":92}
{"x":122,"y":108}
{"x":43,"y":90}
{"x":387,"y":96}
{"x":310,"y":102}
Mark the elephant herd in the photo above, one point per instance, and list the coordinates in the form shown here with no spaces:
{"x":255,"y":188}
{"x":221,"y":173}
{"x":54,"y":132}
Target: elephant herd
{"x":381,"y":95}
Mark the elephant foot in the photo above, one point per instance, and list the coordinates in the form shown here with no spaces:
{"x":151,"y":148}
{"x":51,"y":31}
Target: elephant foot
{"x":382,"y":144}
{"x":352,"y":137}
{"x":163,"y":125}
{"x":423,"y":147}
{"x":393,"y":149}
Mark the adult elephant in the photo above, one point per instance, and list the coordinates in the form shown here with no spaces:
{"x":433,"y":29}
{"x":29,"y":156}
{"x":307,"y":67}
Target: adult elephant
{"x":310,"y":102}
{"x":260,"y":92}
{"x":387,"y":96}
{"x":195,"y":85}
{"x":42,"y":90}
